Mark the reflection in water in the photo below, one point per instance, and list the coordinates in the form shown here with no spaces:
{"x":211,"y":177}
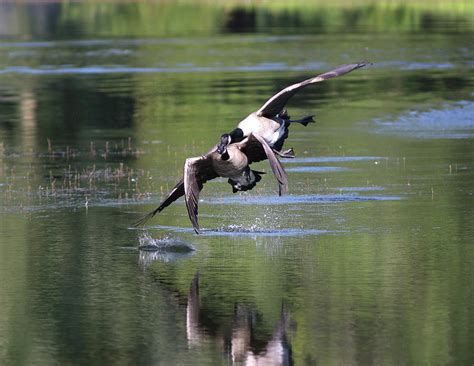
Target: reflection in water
{"x":28,"y":106}
{"x":239,"y":345}
{"x":192,"y":313}
{"x":146,"y":258}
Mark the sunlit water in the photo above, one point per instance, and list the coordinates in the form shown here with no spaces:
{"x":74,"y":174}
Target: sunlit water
{"x":367,"y":260}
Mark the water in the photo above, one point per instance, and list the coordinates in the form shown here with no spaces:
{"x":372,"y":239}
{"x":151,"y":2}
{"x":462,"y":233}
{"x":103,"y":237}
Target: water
{"x":367,"y":260}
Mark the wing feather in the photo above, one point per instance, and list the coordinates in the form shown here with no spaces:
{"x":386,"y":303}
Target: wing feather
{"x":257,"y":149}
{"x":197,"y":171}
{"x":254,"y":150}
{"x":275,"y":104}
{"x":175,"y":193}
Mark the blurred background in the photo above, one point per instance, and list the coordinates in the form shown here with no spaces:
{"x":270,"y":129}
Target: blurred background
{"x":367,"y":260}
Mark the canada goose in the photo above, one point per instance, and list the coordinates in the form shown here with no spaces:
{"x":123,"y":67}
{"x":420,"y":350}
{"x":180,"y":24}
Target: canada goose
{"x":233,"y":163}
{"x":271,"y":121}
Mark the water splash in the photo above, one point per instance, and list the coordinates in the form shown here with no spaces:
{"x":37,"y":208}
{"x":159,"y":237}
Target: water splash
{"x":165,"y":249}
{"x":164,"y":244}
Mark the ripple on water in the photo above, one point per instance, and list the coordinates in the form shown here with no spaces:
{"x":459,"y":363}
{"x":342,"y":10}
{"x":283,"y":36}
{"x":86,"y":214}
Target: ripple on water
{"x":316,"y":169}
{"x":118,"y":69}
{"x":454,"y":121}
{"x":143,"y":41}
{"x":325,"y":159}
{"x":292,"y":199}
{"x":243,"y":230}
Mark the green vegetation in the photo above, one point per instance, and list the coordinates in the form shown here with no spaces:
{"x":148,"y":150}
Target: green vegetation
{"x":201,"y":18}
{"x":150,"y":19}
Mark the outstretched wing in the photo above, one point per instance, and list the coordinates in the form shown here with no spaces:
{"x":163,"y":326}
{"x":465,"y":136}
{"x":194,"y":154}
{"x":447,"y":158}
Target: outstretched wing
{"x":175,"y":193}
{"x":197,"y":171}
{"x":257,"y":149}
{"x":275,"y":104}
{"x":205,"y":173}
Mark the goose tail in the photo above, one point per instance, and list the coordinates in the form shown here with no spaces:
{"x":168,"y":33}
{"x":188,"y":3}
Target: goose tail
{"x":246,"y":182}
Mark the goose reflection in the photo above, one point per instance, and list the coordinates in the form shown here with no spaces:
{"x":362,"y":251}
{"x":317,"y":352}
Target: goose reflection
{"x":240,"y":345}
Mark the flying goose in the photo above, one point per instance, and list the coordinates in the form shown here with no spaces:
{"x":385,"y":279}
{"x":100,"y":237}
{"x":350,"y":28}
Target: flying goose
{"x":231,"y":162}
{"x":271,"y":121}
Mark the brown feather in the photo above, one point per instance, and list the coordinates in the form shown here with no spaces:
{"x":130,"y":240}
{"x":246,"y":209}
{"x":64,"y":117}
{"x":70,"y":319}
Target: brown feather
{"x":257,"y":149}
{"x":197,"y":171}
{"x":275,"y":104}
{"x":176,"y":192}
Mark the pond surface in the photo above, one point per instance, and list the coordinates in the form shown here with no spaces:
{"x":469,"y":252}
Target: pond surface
{"x":369,"y":259}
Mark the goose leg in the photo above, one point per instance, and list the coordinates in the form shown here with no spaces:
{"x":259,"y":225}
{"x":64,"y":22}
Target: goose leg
{"x":290,"y":153}
{"x":304,"y":121}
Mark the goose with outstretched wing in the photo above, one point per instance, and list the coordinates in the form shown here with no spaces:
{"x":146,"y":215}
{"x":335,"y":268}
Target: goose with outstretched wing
{"x":232,"y":163}
{"x":271,"y":121}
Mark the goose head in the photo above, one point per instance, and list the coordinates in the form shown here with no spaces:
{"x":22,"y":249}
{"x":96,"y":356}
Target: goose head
{"x":225,"y":141}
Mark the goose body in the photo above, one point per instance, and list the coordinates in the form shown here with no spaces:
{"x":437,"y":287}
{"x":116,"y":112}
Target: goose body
{"x":233,"y":163}
{"x":271,"y":121}
{"x":271,"y":129}
{"x":230,"y":165}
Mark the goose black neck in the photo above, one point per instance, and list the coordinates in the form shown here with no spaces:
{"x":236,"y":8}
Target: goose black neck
{"x":225,"y":155}
{"x":237,"y":135}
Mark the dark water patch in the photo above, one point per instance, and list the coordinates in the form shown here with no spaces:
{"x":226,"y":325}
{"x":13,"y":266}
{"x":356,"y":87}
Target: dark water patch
{"x":299,"y":199}
{"x":454,"y":121}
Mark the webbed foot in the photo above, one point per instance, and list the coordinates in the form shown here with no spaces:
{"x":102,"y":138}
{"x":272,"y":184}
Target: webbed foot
{"x":290,"y":153}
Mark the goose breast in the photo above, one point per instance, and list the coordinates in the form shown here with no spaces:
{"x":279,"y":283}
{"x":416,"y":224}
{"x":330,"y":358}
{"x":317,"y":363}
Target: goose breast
{"x":233,"y":166}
